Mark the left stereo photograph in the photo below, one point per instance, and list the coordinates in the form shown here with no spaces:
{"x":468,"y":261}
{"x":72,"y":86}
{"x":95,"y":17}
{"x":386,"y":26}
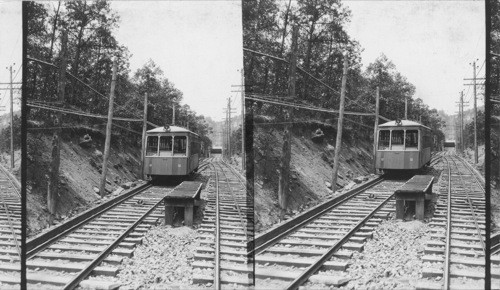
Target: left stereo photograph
{"x":135,"y":175}
{"x":10,"y":144}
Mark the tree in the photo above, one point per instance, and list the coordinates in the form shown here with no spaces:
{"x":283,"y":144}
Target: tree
{"x":469,"y":131}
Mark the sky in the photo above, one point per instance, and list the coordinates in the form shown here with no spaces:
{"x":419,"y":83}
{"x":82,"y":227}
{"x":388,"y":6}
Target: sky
{"x":10,"y":51}
{"x":197,"y":44}
{"x":431,"y":43}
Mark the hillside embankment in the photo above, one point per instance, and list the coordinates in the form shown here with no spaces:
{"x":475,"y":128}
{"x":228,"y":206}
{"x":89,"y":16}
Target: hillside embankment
{"x":311,"y":167}
{"x":79,"y":173}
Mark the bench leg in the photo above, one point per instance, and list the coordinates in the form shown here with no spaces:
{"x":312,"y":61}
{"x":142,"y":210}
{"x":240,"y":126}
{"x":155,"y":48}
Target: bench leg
{"x":400,"y":209}
{"x":419,"y":208}
{"x":188,"y":215}
{"x":169,"y":214}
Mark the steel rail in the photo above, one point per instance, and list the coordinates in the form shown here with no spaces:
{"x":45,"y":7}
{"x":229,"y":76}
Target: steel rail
{"x":325,"y":257}
{"x":11,"y":226}
{"x":12,"y":181}
{"x":241,"y":179}
{"x":446,"y":275}
{"x":43,"y":240}
{"x":477,"y":176}
{"x":94,"y":263}
{"x":242,"y":223}
{"x":495,"y":244}
{"x":274,"y":235}
{"x":217,"y":232}
{"x":471,"y":207}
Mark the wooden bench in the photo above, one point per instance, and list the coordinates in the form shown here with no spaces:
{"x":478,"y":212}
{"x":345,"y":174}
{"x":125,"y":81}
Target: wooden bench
{"x":418,"y":189}
{"x":186,"y":195}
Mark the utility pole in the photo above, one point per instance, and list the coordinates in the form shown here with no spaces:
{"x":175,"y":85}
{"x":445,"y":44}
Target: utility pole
{"x":243,"y":155}
{"x":475,"y":113}
{"x":338,"y":142}
{"x":462,"y":141}
{"x":224,"y":134}
{"x":11,"y":120}
{"x":375,"y":137}
{"x":144,"y":129}
{"x":406,"y":108}
{"x":284,"y":173}
{"x":53,"y":182}
{"x":461,"y":122}
{"x":229,"y":127}
{"x":107,"y":143}
{"x":173,"y":114}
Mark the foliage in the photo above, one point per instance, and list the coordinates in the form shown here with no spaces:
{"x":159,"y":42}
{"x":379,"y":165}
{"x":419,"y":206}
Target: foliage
{"x":5,"y":135}
{"x":322,"y":44}
{"x":92,"y":46}
{"x":469,"y":131}
{"x":495,"y":90}
{"x":236,"y":141}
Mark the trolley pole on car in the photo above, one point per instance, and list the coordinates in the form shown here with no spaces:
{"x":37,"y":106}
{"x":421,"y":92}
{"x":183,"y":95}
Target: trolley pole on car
{"x":144,"y":129}
{"x":284,"y":173}
{"x":102,"y":188}
{"x":11,"y":120}
{"x":53,"y":182}
{"x":375,"y":137}
{"x":338,"y":142}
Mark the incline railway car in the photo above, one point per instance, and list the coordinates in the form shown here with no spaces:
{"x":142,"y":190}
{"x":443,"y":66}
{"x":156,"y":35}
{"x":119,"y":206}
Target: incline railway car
{"x":216,"y":150}
{"x":449,"y":143}
{"x":171,"y":151}
{"x":403,"y":145}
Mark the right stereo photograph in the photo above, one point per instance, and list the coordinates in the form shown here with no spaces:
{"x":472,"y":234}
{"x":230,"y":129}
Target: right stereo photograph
{"x":494,"y":116}
{"x":368,"y":144}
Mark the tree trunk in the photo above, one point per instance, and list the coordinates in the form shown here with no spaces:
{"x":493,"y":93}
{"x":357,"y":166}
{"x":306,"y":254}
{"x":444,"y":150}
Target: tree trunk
{"x":338,"y":143}
{"x":52,"y":39}
{"x":56,"y":139}
{"x":307,"y":61}
{"x":284,"y":173}
{"x":76,"y":62}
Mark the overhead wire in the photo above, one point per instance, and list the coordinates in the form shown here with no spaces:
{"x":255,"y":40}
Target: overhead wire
{"x":308,"y":107}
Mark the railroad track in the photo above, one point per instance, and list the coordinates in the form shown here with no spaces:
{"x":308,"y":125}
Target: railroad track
{"x":317,"y":245}
{"x":222,"y":258}
{"x":88,"y":249}
{"x":10,"y":231}
{"x":455,"y":256}
{"x":495,"y":261}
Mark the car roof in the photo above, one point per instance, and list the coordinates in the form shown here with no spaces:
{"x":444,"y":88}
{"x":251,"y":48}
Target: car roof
{"x":403,"y":123}
{"x":170,"y":129}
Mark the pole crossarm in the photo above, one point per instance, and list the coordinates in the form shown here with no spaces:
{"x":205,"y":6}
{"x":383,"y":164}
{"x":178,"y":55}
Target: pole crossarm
{"x":70,"y":74}
{"x":79,"y":113}
{"x":311,"y":108}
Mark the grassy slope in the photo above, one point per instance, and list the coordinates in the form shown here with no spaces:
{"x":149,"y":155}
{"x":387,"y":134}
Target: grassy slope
{"x":79,"y":173}
{"x":311,"y":167}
